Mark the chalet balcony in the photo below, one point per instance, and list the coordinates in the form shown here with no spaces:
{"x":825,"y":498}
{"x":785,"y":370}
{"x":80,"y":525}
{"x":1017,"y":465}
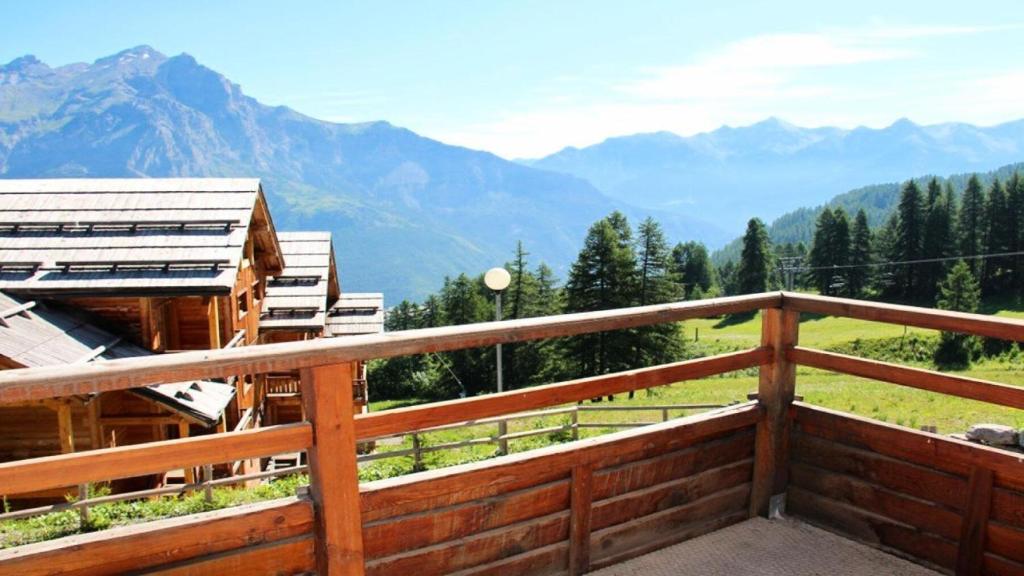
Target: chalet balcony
{"x":770,"y":486}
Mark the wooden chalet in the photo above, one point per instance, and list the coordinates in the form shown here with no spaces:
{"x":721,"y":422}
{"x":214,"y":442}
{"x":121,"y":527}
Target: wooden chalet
{"x":357,"y":314}
{"x":170,"y":263}
{"x":36,"y":334}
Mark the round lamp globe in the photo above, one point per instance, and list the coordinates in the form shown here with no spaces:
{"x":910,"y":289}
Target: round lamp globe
{"x":497,"y":279}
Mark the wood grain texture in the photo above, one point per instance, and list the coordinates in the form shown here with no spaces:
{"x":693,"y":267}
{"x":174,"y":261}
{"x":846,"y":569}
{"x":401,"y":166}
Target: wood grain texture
{"x":893,"y":474}
{"x":402,"y":533}
{"x":22,"y":385}
{"x":433,"y":488}
{"x":978,"y":324}
{"x":292,"y":556}
{"x":138,"y":547}
{"x":961,"y":386}
{"x":931,"y":450}
{"x":141,"y":459}
{"x":775,"y":391}
{"x":579,"y":526}
{"x":870,"y":528}
{"x":647,"y":533}
{"x":973,"y":529}
{"x":334,"y":473}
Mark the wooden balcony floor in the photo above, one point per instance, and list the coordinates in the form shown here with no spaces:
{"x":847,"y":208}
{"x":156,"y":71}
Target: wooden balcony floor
{"x":767,"y":547}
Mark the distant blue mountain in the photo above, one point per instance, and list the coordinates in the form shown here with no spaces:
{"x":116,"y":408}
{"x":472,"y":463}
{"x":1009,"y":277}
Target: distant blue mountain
{"x":405,"y":210}
{"x":767,"y":169}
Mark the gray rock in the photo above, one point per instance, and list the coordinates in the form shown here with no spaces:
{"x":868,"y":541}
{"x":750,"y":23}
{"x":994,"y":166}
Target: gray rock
{"x":994,"y":434}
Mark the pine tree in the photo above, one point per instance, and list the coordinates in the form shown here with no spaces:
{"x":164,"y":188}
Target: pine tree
{"x":971,"y":221}
{"x":752,"y":275}
{"x":996,"y":240}
{"x":692,"y":266}
{"x":938,"y":239}
{"x":958,"y":291}
{"x":820,"y":275}
{"x":860,"y":256}
{"x":660,"y":343}
{"x":909,"y":236}
{"x":603,"y":277}
{"x":1015,"y":218}
{"x":464,"y":303}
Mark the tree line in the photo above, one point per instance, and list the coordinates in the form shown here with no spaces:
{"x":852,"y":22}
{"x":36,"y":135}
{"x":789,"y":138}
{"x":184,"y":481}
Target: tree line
{"x":618,"y":266}
{"x":906,"y":258}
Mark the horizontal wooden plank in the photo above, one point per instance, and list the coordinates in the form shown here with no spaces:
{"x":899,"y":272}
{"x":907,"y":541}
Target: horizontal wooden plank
{"x":678,"y":492}
{"x":621,"y":541}
{"x":439,"y":413}
{"x":994,"y":565}
{"x":480,"y":548}
{"x":292,"y":556}
{"x":539,"y":562}
{"x":896,"y":475}
{"x":855,"y":492}
{"x":137,"y":547}
{"x":394,"y":535}
{"x":1005,"y":541}
{"x":1008,"y":507}
{"x":979,"y":324}
{"x":449,"y":486}
{"x":687,"y":462}
{"x":962,"y":386}
{"x":154,"y":457}
{"x":931,"y":450}
{"x":39,"y":383}
{"x":870,"y":528}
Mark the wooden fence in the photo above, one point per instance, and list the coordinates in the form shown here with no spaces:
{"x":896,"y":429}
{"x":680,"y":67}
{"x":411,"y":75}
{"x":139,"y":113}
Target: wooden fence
{"x":587,"y":510}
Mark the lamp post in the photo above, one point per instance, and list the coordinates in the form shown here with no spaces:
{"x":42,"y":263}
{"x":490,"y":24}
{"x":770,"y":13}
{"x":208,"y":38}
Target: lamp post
{"x":498,"y":279}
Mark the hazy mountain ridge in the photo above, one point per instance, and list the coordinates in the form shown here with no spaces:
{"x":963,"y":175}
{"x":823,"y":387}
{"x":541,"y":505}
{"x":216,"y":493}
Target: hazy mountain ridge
{"x":405,"y":210}
{"x":732,"y":174}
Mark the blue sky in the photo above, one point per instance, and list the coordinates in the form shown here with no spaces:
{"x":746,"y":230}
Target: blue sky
{"x":527,"y":78}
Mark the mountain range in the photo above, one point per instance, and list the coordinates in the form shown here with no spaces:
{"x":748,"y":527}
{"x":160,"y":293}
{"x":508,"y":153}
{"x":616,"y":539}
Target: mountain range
{"x":405,"y":210}
{"x":769,"y":168}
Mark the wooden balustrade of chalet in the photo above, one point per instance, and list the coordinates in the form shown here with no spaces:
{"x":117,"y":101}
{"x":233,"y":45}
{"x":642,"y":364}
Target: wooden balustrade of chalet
{"x":571,"y":505}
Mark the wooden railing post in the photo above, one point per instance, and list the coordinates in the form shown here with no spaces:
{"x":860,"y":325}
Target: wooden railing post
{"x":334,"y":474}
{"x":581,"y":496}
{"x":775,"y":391}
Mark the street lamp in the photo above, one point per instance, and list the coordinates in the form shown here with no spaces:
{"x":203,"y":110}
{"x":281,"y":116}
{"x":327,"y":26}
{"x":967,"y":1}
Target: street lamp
{"x":498,"y":279}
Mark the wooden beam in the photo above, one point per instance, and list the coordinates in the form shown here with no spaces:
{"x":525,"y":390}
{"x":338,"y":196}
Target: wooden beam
{"x":95,"y":430}
{"x":143,"y":420}
{"x":334,"y":473}
{"x":376,"y":424}
{"x":978,"y":324}
{"x":139,"y":459}
{"x":776,"y":388}
{"x":579,"y":520}
{"x":65,"y":429}
{"x":962,"y":386}
{"x":52,"y":382}
{"x":971,"y":551}
{"x":213,"y":317}
{"x":146,"y":314}
{"x":134,"y":548}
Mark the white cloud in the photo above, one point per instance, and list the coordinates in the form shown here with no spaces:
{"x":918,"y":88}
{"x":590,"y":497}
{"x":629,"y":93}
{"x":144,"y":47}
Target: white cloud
{"x":800,"y":76}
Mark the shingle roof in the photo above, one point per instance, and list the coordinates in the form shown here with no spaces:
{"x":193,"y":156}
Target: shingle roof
{"x":356,"y":313}
{"x":33,"y":333}
{"x":297,"y":298}
{"x":138,"y":235}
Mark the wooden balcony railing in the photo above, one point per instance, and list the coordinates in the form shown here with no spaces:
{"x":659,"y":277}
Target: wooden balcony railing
{"x":580,"y":505}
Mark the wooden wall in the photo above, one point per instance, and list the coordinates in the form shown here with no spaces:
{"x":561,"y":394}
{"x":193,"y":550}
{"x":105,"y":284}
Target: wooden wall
{"x":955,"y":505}
{"x":31,"y":431}
{"x":592,"y":503}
